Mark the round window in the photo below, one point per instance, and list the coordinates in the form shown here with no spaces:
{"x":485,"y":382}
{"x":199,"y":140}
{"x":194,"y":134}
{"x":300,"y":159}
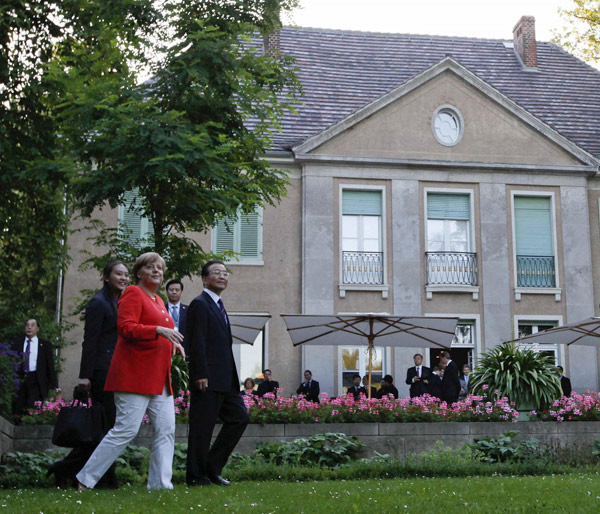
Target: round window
{"x":447,"y":124}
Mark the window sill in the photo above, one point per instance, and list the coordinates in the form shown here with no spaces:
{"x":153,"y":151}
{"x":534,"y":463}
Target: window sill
{"x":245,"y":263}
{"x":430,"y":289}
{"x":384,"y":288}
{"x":556,"y":291}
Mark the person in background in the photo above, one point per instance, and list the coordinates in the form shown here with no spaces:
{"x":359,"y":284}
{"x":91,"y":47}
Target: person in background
{"x":140,"y":376}
{"x":387,"y":387}
{"x":366,"y":386}
{"x":418,"y":377}
{"x":435,"y":383}
{"x":450,"y":382}
{"x":248,"y":389}
{"x":356,"y":388}
{"x":565,"y":383}
{"x":177,"y":310}
{"x":267,"y":385}
{"x":99,"y":341}
{"x":37,"y":374}
{"x":309,"y":388}
{"x":465,"y":383}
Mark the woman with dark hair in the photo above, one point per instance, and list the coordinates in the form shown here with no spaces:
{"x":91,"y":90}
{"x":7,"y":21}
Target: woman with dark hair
{"x":99,"y":340}
{"x":140,"y":377}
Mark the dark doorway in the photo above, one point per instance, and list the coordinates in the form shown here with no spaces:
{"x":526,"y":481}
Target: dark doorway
{"x":460,"y":356}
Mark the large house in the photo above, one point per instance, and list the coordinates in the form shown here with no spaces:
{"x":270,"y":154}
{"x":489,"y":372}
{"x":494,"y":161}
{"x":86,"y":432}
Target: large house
{"x":429,"y":176}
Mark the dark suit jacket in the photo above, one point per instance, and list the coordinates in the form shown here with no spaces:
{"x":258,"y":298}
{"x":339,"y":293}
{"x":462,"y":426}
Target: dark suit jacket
{"x":99,"y":334}
{"x":311,"y":393}
{"x":45,"y":372}
{"x":357,"y":390}
{"x":210,"y":351}
{"x":565,"y":385}
{"x":390,"y":391}
{"x":267,"y":387}
{"x":418,"y":388}
{"x":450,"y":383}
{"x":435,"y":386}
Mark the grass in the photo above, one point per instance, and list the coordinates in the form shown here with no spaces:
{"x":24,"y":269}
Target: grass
{"x":578,"y":492}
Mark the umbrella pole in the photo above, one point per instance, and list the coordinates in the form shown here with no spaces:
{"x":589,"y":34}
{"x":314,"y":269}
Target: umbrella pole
{"x":371,"y":341}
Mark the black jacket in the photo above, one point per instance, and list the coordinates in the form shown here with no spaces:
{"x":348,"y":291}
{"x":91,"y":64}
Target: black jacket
{"x":99,"y":334}
{"x":209,"y":343}
{"x":311,"y":393}
{"x":45,"y":372}
{"x":450,"y":383}
{"x":421,"y":386}
{"x":265,"y":387}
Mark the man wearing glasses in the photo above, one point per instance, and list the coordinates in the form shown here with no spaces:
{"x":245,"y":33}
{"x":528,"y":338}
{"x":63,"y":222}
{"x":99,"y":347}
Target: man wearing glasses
{"x":214,"y":382}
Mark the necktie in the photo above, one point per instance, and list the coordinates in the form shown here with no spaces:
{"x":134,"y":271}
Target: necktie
{"x":175,"y":314}
{"x":27,"y":353}
{"x":223,"y":311}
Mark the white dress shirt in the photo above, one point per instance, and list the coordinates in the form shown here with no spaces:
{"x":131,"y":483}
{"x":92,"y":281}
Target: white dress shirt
{"x":33,"y":352}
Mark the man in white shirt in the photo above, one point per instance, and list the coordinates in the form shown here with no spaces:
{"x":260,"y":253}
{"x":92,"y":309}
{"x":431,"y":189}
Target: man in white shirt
{"x":177,"y":310}
{"x":418,"y":377}
{"x":36,"y":372}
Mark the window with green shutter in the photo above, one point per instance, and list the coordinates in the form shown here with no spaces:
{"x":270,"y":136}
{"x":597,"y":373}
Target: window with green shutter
{"x":534,"y":241}
{"x":133,"y":226}
{"x":241,"y":234}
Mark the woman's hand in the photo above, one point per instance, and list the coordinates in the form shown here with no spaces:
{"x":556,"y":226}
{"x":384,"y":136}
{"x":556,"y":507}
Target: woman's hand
{"x":175,"y":337}
{"x":178,"y":348}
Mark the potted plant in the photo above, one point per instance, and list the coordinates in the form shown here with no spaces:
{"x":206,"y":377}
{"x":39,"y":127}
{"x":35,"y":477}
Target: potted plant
{"x":528,"y":378}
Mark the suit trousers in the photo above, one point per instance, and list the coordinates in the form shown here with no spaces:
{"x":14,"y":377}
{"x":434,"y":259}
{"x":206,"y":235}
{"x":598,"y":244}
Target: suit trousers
{"x":205,"y":407}
{"x":131,"y":408}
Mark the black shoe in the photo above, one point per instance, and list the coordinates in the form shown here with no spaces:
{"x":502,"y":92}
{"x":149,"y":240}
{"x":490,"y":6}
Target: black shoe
{"x":219,"y":480}
{"x":203,"y":482}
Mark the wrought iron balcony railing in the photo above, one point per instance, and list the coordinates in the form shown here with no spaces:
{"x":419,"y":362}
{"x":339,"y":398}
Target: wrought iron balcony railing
{"x":535,"y":271}
{"x":362,"y":268}
{"x":451,"y":268}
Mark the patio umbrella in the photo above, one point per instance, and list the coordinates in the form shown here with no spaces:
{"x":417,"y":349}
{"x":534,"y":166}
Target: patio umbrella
{"x":359,"y":329}
{"x":246,"y":327}
{"x":586,"y":332}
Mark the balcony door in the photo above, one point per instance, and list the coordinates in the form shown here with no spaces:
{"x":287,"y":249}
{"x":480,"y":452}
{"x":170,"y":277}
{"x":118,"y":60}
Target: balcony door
{"x":450,"y":259}
{"x":362,"y":249}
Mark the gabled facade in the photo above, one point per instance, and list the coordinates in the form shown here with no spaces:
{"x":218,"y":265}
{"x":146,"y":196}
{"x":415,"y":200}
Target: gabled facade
{"x":428,"y":176}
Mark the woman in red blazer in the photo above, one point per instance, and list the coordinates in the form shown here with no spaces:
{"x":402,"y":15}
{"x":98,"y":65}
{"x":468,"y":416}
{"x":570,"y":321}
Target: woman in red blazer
{"x":140,"y":376}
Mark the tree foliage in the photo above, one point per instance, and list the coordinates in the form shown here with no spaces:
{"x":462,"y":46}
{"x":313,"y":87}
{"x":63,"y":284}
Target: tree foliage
{"x":190,"y":140}
{"x":581,"y":34}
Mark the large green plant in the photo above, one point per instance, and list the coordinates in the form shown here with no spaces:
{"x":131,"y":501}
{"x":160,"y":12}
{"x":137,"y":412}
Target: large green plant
{"x":526,"y":377}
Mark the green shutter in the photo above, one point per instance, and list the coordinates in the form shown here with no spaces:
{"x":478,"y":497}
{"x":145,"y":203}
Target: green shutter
{"x":533,"y":226}
{"x":250,"y":244}
{"x":448,"y":207}
{"x":135,"y":226}
{"x":356,"y":202}
{"x":224,"y":235}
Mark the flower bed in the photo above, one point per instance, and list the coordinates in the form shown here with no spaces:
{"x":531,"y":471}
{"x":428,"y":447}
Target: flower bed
{"x":345,"y":409}
{"x":577,"y":407}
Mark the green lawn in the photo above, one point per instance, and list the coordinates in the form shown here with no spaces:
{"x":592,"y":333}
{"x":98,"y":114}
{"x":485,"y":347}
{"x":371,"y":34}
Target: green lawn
{"x":565,"y":493}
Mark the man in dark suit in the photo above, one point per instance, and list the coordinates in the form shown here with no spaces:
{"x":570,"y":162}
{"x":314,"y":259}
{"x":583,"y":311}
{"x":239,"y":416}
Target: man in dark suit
{"x":418,"y":377}
{"x":267,"y":385}
{"x":435,"y":383}
{"x":387,"y":388}
{"x":177,"y":310}
{"x":213,"y":382}
{"x":565,"y":383}
{"x":450,"y":382}
{"x":356,"y":388}
{"x":36,"y":373}
{"x":309,"y":388}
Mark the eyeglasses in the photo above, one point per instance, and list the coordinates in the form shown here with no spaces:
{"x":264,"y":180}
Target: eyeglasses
{"x":219,"y":273}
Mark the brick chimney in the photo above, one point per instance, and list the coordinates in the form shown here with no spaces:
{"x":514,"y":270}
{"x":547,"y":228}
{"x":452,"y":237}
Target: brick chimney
{"x":524,"y":41}
{"x":272,"y":43}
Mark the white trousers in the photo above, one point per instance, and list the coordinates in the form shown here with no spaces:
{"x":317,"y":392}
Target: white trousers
{"x":131,"y":408}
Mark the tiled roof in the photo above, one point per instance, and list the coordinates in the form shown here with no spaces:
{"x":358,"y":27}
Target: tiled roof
{"x":342,"y":71}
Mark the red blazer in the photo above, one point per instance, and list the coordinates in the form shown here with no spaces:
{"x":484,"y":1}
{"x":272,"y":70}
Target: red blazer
{"x":142,"y":361}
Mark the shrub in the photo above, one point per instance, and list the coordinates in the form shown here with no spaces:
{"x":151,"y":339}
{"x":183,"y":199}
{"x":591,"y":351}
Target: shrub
{"x":504,"y":449}
{"x":9,"y":382}
{"x":577,"y":407}
{"x":526,"y":377}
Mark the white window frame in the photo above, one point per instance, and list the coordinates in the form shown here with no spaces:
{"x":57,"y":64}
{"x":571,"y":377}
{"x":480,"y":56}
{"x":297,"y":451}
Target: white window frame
{"x":238,"y":261}
{"x":431,"y":289}
{"x":518,"y":291}
{"x":145,"y":222}
{"x":476,"y":320}
{"x":265,"y":331}
{"x":558,"y":319}
{"x":383,"y":288}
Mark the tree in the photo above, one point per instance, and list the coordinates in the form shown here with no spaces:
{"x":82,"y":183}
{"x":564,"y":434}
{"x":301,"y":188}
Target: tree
{"x":192,"y":139}
{"x":581,"y":35}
